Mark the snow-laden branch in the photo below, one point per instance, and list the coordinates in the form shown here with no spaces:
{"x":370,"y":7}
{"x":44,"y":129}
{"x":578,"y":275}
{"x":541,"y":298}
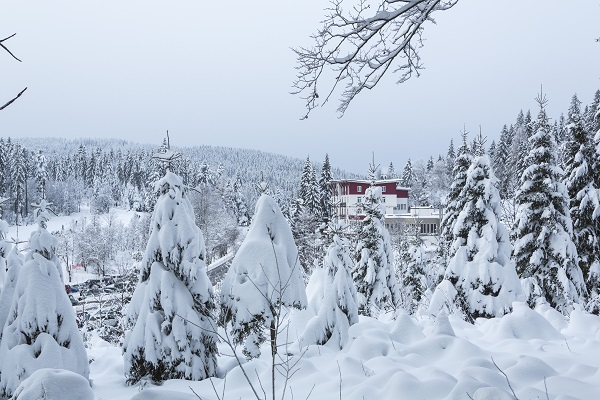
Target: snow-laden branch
{"x":361,"y":44}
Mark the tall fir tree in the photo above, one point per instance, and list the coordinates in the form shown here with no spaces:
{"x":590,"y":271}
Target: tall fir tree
{"x":407,"y":175}
{"x":544,"y":253}
{"x":450,"y":157}
{"x":454,"y":202}
{"x":171,"y":328}
{"x":593,"y":277}
{"x":373,"y":273}
{"x":391,"y":172}
{"x":18,"y":178}
{"x":481,"y":278}
{"x":41,"y":175}
{"x":579,"y":178}
{"x":413,"y":276}
{"x":325,"y":189}
{"x":309,"y":188}
{"x":500,"y":162}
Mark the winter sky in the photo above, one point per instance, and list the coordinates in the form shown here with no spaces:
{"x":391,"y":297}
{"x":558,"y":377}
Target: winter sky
{"x":220,"y":74}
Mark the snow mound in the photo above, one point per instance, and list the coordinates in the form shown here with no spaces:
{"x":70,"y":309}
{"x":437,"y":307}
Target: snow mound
{"x":54,"y":384}
{"x":525,"y":324}
{"x":405,"y":330}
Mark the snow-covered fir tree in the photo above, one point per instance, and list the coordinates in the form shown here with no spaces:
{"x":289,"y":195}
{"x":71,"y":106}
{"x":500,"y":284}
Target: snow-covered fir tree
{"x":483,"y":277}
{"x":593,"y":276}
{"x":40,"y":330}
{"x":500,"y":161}
{"x":41,"y":175}
{"x":413,"y":265}
{"x":391,"y":172}
{"x":545,"y":255}
{"x":338,"y":308}
{"x":172,"y":331}
{"x":407,"y":175}
{"x":373,"y":273}
{"x":580,"y":159}
{"x":263,"y":281}
{"x":325,"y":189}
{"x":454,"y":201}
{"x":309,"y":189}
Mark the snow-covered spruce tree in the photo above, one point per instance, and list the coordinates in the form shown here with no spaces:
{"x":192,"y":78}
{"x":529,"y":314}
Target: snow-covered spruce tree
{"x":309,"y":188}
{"x":412,"y":273}
{"x":325,"y":190}
{"x":264,"y":279}
{"x":480,"y":270}
{"x":408,"y":176}
{"x":171,"y":333}
{"x":544,"y":253}
{"x":40,"y":330}
{"x":454,"y":202}
{"x":41,"y":175}
{"x":580,"y":158}
{"x":593,"y":276}
{"x":373,"y":273}
{"x":338,"y":308}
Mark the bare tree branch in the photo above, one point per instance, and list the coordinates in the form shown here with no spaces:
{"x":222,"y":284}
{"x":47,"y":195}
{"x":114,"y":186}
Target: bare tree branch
{"x":15,"y":57}
{"x":361,"y":44}
{"x":11,"y":101}
{"x":6,"y":48}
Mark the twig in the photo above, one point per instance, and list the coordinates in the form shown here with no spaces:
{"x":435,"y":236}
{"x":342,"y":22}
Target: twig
{"x":6,"y":48}
{"x":11,"y":101}
{"x":507,"y":381}
{"x":546,"y":388}
{"x":568,"y":345}
{"x":197,"y":395}
{"x":340,"y":372}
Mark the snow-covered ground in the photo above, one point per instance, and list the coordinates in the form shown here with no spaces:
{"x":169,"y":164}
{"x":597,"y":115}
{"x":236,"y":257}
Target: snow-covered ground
{"x":539,"y":354}
{"x":542,"y":354}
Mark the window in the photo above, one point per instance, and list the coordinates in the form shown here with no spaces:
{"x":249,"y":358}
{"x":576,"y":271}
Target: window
{"x":403,"y":206}
{"x":359,"y":189}
{"x":383,"y":189}
{"x":383,"y":199}
{"x":359,"y":199}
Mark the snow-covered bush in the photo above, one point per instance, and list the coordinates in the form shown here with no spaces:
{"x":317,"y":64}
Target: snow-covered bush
{"x":48,"y":383}
{"x":40,"y":330}
{"x":264,"y":277}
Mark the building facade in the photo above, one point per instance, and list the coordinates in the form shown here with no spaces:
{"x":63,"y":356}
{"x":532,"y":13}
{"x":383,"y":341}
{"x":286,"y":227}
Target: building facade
{"x":348,"y":196}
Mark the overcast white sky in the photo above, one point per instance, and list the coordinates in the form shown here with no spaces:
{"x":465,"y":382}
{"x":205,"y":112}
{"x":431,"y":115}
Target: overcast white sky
{"x":220,"y":73}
